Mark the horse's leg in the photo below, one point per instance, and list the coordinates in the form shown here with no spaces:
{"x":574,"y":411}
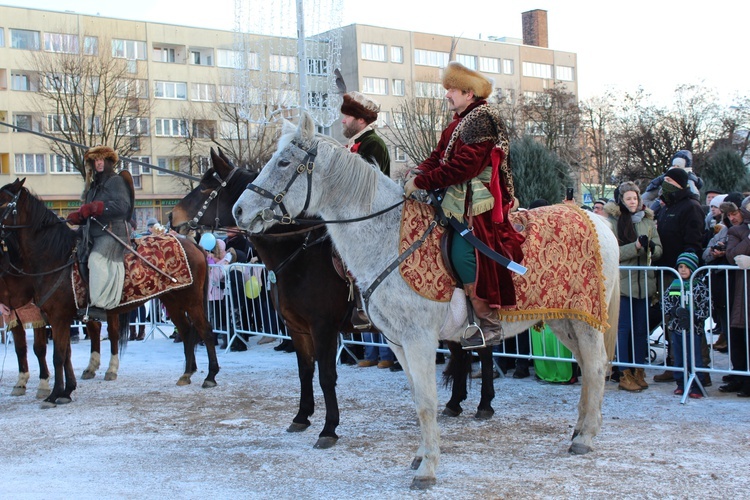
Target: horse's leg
{"x":485,"y":410}
{"x":201,"y":325}
{"x":419,"y":353}
{"x":326,"y":344}
{"x":93,"y":328}
{"x":19,"y":342}
{"x":456,"y":375}
{"x":40,"y":350}
{"x":114,"y":326}
{"x":188,"y":344}
{"x":65,"y":381}
{"x":305,"y":352}
{"x":587,"y":345}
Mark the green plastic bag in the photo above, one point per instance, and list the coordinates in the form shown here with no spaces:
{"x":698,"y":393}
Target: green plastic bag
{"x":544,"y":343}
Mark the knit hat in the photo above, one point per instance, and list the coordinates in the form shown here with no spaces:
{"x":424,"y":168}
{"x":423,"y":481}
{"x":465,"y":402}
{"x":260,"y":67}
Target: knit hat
{"x":458,"y":76}
{"x":684,"y":159}
{"x":603,"y":201}
{"x":679,"y":175}
{"x":359,"y":106}
{"x":717,"y":200}
{"x":689,"y":259}
{"x":151,"y":221}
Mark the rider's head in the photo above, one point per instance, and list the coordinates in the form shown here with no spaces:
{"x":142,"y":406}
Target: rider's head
{"x":358,"y":112}
{"x":464,"y":86}
{"x":105,"y":156}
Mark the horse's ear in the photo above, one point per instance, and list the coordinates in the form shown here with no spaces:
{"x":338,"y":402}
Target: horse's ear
{"x":287,"y":127}
{"x":306,"y":128}
{"x":19,"y":183}
{"x":215,"y":157}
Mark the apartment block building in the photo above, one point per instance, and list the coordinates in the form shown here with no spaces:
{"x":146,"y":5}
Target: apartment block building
{"x":178,"y":77}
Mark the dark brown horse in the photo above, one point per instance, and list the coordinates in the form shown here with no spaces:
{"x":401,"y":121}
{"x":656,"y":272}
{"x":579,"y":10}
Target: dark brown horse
{"x":309,"y":294}
{"x":45,"y":251}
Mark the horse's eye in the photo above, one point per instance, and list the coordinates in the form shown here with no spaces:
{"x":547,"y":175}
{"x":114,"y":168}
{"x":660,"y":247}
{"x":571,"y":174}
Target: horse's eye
{"x":284,"y":163}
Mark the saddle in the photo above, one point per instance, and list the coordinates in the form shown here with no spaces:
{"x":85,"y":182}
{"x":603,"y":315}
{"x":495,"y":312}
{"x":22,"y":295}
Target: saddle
{"x":360,"y":320}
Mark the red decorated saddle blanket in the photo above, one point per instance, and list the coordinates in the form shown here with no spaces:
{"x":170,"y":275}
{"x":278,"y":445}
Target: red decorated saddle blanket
{"x":561,"y":251}
{"x":29,"y":316}
{"x":141,"y":281}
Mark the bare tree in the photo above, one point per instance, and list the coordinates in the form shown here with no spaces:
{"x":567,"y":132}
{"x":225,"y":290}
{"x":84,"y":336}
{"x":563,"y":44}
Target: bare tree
{"x":597,"y":122}
{"x":90,"y":99}
{"x":191,"y":149}
{"x":249,"y":143}
{"x":553,"y":118}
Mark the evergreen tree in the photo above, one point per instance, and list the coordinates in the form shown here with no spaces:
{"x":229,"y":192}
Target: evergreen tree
{"x":725,"y":171}
{"x":537,"y":172}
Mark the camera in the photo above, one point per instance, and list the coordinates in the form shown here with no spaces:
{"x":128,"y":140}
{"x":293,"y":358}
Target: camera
{"x":721,"y":247}
{"x":569,"y":194}
{"x":643,"y":240}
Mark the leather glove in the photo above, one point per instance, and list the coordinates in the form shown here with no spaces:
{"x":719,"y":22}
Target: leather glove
{"x":409,"y":187}
{"x":743,"y":261}
{"x":93,"y":209}
{"x":75,"y":218}
{"x":683,"y":318}
{"x":643,"y":240}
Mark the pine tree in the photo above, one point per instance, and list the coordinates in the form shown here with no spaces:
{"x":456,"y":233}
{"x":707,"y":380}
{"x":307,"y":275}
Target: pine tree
{"x":537,"y":172}
{"x":725,"y":172}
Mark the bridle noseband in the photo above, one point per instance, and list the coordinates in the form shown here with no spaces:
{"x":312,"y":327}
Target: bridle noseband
{"x":194,"y":222}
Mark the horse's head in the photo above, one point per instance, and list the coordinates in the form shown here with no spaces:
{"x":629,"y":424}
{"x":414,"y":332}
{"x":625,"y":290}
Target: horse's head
{"x":281,"y":188}
{"x":10,"y":195}
{"x":210,"y":203}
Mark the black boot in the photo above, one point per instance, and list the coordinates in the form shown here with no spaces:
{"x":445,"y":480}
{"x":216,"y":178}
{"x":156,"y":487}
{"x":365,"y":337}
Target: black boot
{"x":141,"y":332}
{"x":132,"y":333}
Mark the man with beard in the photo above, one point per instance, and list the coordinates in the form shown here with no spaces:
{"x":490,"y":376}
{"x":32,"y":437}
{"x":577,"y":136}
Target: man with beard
{"x":359,"y":114}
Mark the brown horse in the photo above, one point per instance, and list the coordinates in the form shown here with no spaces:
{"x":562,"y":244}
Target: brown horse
{"x":308,"y":293}
{"x":45,"y":251}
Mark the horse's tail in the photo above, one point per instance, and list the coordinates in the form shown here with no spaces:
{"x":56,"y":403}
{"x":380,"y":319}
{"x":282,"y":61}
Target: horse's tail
{"x":123,"y":332}
{"x":613,"y":310}
{"x":459,"y":365}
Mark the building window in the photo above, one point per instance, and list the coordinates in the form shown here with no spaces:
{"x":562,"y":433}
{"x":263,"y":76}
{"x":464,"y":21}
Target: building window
{"x":28,"y":122}
{"x":170,"y":127}
{"x":129,"y":49}
{"x":57,"y":124}
{"x":564,"y":73}
{"x":430,"y":58}
{"x":317,"y":100}
{"x":228,"y":59}
{"x":382,"y":120}
{"x":170,"y":90}
{"x":398,"y":120}
{"x":371,"y":85}
{"x":489,"y":64}
{"x":233,"y":130}
{"x":91,"y":45}
{"x":27,"y":163}
{"x":202,"y":92}
{"x":229,"y":94}
{"x":429,"y":90}
{"x":400,"y":155}
{"x":283,"y":64}
{"x":61,"y":42}
{"x":468,"y":61}
{"x":163,"y":54}
{"x":22,"y":82}
{"x":61,"y":165}
{"x":537,"y":70}
{"x":137,"y":170}
{"x":203,"y":129}
{"x":506,"y":96}
{"x":397,"y":54}
{"x":132,"y":88}
{"x":170,"y":163}
{"x":398,"y":87}
{"x":508,"y":66}
{"x":24,"y":39}
{"x":2,"y":37}
{"x":373,"y":52}
{"x":67,"y":84}
{"x":317,"y":67}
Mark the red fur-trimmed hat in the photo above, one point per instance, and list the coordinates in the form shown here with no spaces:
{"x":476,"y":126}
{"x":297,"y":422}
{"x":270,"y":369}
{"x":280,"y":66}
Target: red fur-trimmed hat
{"x":458,"y":76}
{"x":359,"y":106}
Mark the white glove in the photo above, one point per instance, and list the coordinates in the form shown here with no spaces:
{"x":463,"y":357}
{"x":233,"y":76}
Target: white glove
{"x":743,"y":261}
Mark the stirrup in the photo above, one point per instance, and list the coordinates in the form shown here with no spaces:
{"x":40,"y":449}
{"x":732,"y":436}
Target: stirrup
{"x":360,"y":320}
{"x":473,"y":337}
{"x":92,"y":313}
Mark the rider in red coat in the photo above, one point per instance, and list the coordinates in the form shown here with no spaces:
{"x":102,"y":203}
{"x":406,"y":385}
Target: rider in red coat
{"x":471,"y":163}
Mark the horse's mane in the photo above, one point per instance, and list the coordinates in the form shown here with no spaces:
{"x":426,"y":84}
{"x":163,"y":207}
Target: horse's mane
{"x":59,"y":239}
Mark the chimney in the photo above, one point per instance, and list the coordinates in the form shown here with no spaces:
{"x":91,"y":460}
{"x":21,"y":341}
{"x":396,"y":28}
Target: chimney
{"x":535,"y":28}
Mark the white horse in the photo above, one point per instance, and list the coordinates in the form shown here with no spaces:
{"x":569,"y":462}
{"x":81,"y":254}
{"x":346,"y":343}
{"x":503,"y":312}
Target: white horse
{"x":344,"y":186}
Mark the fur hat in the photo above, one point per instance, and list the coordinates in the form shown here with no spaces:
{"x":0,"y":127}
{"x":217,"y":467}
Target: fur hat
{"x":679,"y":175}
{"x":731,"y":203}
{"x":458,"y":76}
{"x":628,"y":186}
{"x":686,"y":157}
{"x":90,"y":156}
{"x":689,"y":259}
{"x":359,"y":106}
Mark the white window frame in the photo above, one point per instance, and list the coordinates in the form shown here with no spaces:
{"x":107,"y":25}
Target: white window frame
{"x":61,"y":43}
{"x":374,"y":85}
{"x":132,"y":50}
{"x":136,"y":170}
{"x":35,"y":124}
{"x":226,"y":58}
{"x":33,"y":160}
{"x":399,"y":155}
{"x":170,"y":127}
{"x":91,"y":45}
{"x":172,"y":163}
{"x":429,"y":90}
{"x":564,"y":73}
{"x":170,"y":90}
{"x":509,"y":67}
{"x":398,"y":87}
{"x":399,"y":120}
{"x":317,"y":66}
{"x":29,"y":41}
{"x":318,"y":100}
{"x":21,"y":82}
{"x":124,"y":88}
{"x":432,"y":58}
{"x":2,"y":37}
{"x":489,"y":64}
{"x":59,"y":123}
{"x":383,"y":119}
{"x":467,"y":60}
{"x":279,"y":63}
{"x":536,"y":70}
{"x":397,"y":54}
{"x":204,"y":92}
{"x":61,"y":165}
{"x":164,"y":54}
{"x":373,"y":52}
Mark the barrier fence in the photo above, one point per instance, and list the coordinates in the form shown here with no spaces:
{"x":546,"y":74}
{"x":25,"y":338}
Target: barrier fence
{"x":240,"y":306}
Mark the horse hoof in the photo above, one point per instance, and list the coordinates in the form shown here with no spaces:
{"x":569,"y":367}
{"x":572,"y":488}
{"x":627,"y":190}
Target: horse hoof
{"x":416,"y":463}
{"x":295,"y":427}
{"x":579,"y":449}
{"x":484,"y":414}
{"x":18,"y":391}
{"x":422,"y":483}
{"x":207,"y":384}
{"x":63,"y":400}
{"x":324,"y":443}
{"x":109,"y":376}
{"x":448,"y":412}
{"x":43,"y":393}
{"x":88,"y":375}
{"x":184,"y":380}
{"x":46,"y":405}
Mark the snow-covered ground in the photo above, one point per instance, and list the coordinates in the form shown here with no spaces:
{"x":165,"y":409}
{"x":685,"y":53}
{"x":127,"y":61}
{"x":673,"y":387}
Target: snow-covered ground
{"x":141,"y":436}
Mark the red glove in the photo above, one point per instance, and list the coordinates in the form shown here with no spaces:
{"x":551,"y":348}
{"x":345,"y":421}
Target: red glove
{"x":75,"y":218}
{"x":93,"y":209}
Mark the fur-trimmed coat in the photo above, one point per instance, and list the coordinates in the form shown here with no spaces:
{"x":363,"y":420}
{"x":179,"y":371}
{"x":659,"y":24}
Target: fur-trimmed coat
{"x":112,"y":190}
{"x":636,"y":283}
{"x":372,"y":148}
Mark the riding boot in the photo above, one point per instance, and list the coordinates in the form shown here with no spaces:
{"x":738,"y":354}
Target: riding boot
{"x":132,"y":333}
{"x":360,"y":321}
{"x":640,"y":378}
{"x":490,"y":330}
{"x":141,"y":332}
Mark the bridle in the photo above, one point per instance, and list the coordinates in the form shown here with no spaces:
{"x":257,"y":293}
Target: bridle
{"x":222,"y":183}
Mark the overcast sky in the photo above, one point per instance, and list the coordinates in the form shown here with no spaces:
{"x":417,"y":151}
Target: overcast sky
{"x":656,"y":44}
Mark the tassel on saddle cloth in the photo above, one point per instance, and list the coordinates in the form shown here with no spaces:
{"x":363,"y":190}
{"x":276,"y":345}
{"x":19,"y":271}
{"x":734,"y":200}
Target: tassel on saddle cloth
{"x":142,"y":282}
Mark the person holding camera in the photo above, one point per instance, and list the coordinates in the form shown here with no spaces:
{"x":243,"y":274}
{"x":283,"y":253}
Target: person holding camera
{"x":639,"y":243}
